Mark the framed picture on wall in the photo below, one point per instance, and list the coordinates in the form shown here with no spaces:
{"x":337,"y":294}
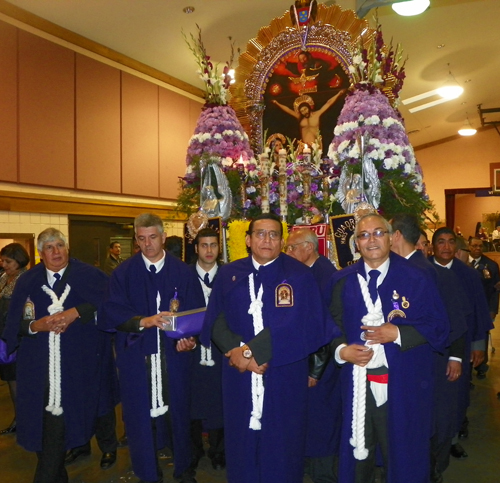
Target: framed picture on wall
{"x":496,"y":179}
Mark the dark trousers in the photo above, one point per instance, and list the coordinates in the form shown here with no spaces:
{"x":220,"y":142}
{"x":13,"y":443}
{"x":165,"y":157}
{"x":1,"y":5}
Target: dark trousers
{"x":440,"y":454}
{"x":215,"y":440}
{"x":321,"y":470}
{"x":375,"y":436}
{"x":105,"y":433}
{"x":50,"y":467}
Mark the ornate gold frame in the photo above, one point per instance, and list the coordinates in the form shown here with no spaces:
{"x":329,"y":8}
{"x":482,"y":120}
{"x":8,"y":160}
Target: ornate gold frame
{"x":335,"y":31}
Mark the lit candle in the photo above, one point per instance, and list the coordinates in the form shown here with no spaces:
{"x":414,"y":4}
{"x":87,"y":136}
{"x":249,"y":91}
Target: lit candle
{"x":307,"y":149}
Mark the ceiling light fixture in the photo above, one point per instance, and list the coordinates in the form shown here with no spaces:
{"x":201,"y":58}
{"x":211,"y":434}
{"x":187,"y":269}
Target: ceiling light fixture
{"x":411,"y":7}
{"x":188,"y":9}
{"x":451,"y":88}
{"x":467,"y":129}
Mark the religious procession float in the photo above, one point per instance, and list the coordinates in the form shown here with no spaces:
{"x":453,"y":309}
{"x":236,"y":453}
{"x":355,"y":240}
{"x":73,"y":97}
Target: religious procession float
{"x":309,"y":131}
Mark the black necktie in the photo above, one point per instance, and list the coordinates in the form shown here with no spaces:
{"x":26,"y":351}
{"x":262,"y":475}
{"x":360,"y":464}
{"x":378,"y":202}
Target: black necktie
{"x":152,"y":269}
{"x":372,"y":284}
{"x":57,"y":278}
{"x":206,"y":280}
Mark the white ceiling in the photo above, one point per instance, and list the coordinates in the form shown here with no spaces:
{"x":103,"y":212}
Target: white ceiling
{"x":150,"y":31}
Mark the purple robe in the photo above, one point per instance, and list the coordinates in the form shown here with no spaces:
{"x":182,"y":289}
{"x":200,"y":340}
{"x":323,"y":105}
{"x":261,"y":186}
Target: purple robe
{"x":410,"y":389}
{"x":132,"y":293}
{"x":447,"y":393}
{"x":324,"y":412}
{"x":206,"y":398}
{"x":275,"y":452}
{"x":478,"y":324}
{"x":88,"y":374}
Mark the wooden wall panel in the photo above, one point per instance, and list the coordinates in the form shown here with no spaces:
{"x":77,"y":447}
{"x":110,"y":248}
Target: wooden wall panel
{"x":175,"y":131}
{"x":46,"y":112}
{"x":140,"y":164}
{"x":8,"y":102}
{"x":98,"y":163}
{"x":194,"y":114}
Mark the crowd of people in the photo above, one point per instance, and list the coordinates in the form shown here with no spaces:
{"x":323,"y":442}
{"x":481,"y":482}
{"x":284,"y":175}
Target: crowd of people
{"x":299,"y":368}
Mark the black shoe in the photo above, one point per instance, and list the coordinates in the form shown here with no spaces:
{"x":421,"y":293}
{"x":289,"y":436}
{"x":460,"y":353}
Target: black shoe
{"x":458,"y":452}
{"x":219,"y":462}
{"x":123,"y":441}
{"x":481,"y":374}
{"x":11,"y":429}
{"x":436,"y":477}
{"x":196,"y":459}
{"x":108,"y":460}
{"x":75,"y":453}
{"x":463,"y":434}
{"x":188,"y":476}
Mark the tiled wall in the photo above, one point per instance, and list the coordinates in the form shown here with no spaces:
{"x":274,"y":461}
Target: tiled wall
{"x":14,"y":222}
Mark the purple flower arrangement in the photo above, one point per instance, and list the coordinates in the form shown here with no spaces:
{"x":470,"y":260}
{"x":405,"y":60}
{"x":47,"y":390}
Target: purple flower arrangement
{"x":219,"y":133}
{"x":370,"y":114}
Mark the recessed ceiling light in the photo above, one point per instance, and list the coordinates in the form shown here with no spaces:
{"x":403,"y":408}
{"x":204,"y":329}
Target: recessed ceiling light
{"x":188,"y":9}
{"x":440,"y":46}
{"x":468,"y":80}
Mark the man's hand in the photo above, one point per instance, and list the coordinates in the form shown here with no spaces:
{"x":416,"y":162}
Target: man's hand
{"x":155,"y":320}
{"x":477,"y":357}
{"x":356,"y":354}
{"x":454,"y":370}
{"x":237,"y":360}
{"x":186,"y":345}
{"x":253,"y":367}
{"x":57,"y":323}
{"x":311,"y":382}
{"x":381,"y":334}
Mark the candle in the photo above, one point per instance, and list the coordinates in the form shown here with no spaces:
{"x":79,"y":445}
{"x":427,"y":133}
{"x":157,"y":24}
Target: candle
{"x":307,"y":149}
{"x":282,"y":152}
{"x":264,"y":182}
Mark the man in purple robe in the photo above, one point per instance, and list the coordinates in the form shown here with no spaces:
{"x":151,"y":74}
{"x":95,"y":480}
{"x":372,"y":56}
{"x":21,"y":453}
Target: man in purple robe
{"x":392,"y":322}
{"x":206,"y":398}
{"x":324,"y":404}
{"x":154,"y":376}
{"x":475,"y":308}
{"x":448,"y":365}
{"x":65,"y":368}
{"x":266,"y":315}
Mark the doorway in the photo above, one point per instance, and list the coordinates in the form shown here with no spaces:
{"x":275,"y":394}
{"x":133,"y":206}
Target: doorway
{"x":90,"y":237}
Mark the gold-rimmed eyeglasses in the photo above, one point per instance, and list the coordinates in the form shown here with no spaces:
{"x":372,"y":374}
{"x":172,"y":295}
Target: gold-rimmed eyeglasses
{"x":291,"y":248}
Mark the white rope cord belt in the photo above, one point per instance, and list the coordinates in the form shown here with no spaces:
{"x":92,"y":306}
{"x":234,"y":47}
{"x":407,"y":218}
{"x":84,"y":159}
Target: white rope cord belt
{"x":374,"y":317}
{"x":255,"y":310}
{"x":158,"y":407}
{"x":54,"y":403}
{"x":206,"y":352}
{"x":206,"y":356}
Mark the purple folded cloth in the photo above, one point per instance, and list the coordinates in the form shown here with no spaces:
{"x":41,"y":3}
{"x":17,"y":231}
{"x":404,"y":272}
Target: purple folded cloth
{"x":184,"y":324}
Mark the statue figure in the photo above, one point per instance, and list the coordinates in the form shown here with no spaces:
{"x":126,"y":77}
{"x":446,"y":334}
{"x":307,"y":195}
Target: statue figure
{"x":210,"y":204}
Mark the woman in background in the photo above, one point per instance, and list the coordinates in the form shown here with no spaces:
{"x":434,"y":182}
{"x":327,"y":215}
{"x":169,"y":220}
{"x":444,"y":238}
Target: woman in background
{"x":14,"y":260}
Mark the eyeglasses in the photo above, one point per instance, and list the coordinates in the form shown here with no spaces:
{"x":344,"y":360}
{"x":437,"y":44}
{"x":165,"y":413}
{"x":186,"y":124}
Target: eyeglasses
{"x":376,"y":234}
{"x":262,"y":234}
{"x":291,"y":248}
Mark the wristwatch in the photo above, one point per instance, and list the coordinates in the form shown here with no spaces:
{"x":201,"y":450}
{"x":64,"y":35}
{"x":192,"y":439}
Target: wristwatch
{"x":246,"y":351}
